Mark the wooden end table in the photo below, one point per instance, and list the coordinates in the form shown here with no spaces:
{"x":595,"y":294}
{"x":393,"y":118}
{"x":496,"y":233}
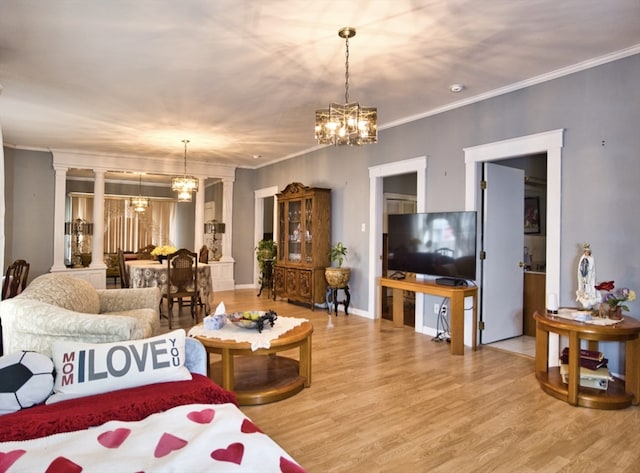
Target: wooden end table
{"x":261,"y":376}
{"x":620,"y":394}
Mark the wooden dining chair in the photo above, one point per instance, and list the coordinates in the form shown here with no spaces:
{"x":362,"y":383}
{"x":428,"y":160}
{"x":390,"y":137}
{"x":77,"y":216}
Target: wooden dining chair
{"x":145,"y":253}
{"x":204,"y":254}
{"x":124,"y":274}
{"x":15,"y":279}
{"x":182,"y":275}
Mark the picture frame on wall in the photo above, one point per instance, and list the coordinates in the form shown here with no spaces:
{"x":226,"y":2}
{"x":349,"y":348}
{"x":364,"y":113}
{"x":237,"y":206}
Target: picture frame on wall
{"x":531,"y":215}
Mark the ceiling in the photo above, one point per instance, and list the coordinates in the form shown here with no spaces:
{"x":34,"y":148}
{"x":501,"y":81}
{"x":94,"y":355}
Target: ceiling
{"x":241,"y":79}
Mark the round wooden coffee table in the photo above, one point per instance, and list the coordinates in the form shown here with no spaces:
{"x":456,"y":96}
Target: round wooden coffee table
{"x":261,"y":376}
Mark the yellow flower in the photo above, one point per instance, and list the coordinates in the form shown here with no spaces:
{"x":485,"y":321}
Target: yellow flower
{"x":163,"y":250}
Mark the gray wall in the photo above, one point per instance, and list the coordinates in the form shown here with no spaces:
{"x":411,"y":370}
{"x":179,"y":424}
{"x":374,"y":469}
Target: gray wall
{"x":29,"y":183}
{"x":599,"y":186}
{"x":598,"y":108}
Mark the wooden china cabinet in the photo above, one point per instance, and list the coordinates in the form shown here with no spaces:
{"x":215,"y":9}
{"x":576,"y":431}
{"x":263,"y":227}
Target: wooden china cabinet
{"x":304,"y":233}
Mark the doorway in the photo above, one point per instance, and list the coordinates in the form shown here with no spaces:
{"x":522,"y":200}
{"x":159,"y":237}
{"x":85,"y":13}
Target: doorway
{"x":548,"y":144}
{"x":264,"y":207}
{"x":376,"y":210}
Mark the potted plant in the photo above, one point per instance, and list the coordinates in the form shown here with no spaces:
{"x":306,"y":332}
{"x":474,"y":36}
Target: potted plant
{"x":266,"y":250}
{"x":337,"y":276}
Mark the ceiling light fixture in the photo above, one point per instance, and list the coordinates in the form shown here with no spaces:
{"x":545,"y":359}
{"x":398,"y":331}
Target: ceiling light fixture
{"x":184,"y":185}
{"x":140,"y":204}
{"x":348,"y":124}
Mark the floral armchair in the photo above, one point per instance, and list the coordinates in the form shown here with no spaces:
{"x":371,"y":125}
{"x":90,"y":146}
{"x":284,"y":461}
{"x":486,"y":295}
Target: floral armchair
{"x":57,"y":306}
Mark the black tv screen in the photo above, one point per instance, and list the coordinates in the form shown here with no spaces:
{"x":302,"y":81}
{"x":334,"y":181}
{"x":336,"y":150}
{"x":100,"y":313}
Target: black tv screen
{"x":439,"y":244}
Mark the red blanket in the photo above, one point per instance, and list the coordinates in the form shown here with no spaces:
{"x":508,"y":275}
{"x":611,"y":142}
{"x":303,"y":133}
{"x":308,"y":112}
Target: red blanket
{"x":128,"y":405}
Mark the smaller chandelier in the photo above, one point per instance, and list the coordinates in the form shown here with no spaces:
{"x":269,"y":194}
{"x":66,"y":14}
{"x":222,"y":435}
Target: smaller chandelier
{"x":139,"y":204}
{"x":348,"y":124}
{"x":184,"y":185}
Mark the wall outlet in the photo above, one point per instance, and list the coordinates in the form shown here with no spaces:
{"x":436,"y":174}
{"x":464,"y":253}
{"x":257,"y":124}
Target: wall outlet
{"x":436,"y":308}
{"x":444,"y":310}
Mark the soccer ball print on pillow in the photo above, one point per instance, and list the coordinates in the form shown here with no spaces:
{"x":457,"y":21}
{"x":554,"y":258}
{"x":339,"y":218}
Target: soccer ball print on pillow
{"x":26,"y":379}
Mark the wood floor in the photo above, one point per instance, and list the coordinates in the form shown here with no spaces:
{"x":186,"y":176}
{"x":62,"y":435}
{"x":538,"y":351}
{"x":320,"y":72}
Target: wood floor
{"x":395,"y":401}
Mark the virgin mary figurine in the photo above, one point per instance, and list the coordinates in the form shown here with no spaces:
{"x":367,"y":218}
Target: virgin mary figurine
{"x":586,"y":293}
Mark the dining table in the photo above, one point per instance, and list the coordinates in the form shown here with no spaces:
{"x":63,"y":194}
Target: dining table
{"x":152,"y":273}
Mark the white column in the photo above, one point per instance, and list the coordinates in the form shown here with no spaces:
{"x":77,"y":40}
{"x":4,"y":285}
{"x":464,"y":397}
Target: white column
{"x":97,"y":247}
{"x":2,"y":204}
{"x":198,"y":234}
{"x":60,"y":190}
{"x":227,"y":219}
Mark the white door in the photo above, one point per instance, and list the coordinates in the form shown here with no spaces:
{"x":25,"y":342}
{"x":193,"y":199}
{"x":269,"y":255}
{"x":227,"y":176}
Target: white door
{"x":502,"y":275}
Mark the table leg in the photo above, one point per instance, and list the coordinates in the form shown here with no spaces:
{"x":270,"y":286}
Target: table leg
{"x":227,"y":369}
{"x":398,"y":308}
{"x":327,"y":298}
{"x":542,"y":350}
{"x":378,"y":315}
{"x":574,"y":368}
{"x":456,"y":319}
{"x":304,"y":365}
{"x":347,"y":300}
{"x":632,"y":362}
{"x":474,"y":322}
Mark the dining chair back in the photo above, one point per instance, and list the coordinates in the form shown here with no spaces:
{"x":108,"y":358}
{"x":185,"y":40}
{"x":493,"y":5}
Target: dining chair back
{"x":145,"y":253}
{"x":124,"y":274}
{"x":15,"y":279}
{"x":204,"y":254}
{"x":182,"y":275}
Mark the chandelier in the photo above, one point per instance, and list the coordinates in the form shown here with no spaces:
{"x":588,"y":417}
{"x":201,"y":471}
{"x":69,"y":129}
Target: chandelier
{"x":184,"y":185}
{"x":348,"y":124}
{"x":139,"y":204}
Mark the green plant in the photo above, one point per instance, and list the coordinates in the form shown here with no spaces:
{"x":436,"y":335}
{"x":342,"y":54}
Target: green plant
{"x":338,"y":253}
{"x":266,"y":250}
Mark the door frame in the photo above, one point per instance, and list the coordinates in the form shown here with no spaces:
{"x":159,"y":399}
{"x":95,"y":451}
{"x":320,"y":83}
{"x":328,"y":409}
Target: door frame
{"x":258,"y":221}
{"x":551,"y":143}
{"x":376,"y":209}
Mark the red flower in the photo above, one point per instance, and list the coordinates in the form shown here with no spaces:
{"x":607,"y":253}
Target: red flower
{"x":605,"y":286}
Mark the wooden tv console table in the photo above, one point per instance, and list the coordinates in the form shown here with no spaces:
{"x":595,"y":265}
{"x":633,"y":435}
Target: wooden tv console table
{"x":620,"y":394}
{"x":456,"y":295}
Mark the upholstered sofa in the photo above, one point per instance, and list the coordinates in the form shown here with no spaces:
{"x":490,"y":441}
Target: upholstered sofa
{"x":56,"y":306}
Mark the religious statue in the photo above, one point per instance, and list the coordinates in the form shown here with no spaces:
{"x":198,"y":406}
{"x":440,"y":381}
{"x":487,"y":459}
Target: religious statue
{"x":586,"y":293}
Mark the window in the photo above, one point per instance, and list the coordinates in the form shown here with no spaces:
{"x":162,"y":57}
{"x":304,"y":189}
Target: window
{"x":123,"y":227}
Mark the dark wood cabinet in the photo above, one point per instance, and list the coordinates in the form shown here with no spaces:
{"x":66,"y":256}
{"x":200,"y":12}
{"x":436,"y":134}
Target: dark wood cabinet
{"x":304,"y":232}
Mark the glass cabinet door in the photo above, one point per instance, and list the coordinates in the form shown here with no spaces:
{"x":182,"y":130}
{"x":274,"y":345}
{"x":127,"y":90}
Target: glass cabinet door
{"x":294,"y":231}
{"x":282,"y":248}
{"x":308,"y":236}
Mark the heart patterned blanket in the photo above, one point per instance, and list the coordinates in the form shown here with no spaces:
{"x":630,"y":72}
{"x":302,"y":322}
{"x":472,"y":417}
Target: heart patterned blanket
{"x":193,"y":437}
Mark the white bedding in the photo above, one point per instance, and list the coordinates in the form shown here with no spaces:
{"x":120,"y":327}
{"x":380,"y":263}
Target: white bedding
{"x":189,"y":438}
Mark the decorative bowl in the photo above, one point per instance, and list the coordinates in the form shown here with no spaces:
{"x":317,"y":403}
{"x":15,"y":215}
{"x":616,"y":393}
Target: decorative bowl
{"x":252,"y":319}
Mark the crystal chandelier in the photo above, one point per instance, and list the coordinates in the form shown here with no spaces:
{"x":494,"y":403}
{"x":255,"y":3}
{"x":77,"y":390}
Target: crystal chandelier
{"x":348,"y":124}
{"x":139,"y":204}
{"x":184,"y":185}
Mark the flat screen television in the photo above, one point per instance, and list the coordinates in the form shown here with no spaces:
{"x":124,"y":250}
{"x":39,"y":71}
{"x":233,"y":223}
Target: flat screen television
{"x":441,"y":244}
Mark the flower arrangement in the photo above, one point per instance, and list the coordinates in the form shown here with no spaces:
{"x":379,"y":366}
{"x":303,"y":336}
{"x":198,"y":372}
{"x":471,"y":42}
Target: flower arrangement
{"x":163,"y":250}
{"x":616,"y":298}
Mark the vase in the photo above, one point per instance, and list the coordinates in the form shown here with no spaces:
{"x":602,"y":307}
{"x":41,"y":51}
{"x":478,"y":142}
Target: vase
{"x":161,"y":259}
{"x":337,"y":277}
{"x":610,"y":312}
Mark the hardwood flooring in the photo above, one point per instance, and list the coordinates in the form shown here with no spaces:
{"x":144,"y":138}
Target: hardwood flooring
{"x":395,"y":401}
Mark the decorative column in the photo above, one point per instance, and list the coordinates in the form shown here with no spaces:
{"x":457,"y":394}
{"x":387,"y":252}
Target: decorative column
{"x":227,"y":218}
{"x":198,"y":234}
{"x":60,"y":189}
{"x":97,"y":240}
